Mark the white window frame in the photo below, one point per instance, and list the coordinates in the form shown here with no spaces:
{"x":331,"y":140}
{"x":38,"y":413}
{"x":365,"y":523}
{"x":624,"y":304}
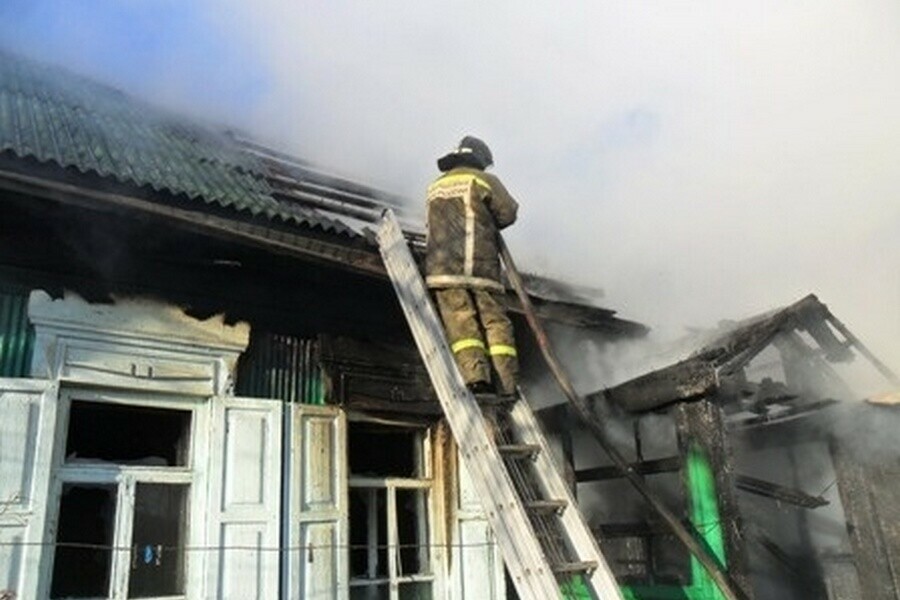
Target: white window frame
{"x":126,"y":477}
{"x":427,"y":481}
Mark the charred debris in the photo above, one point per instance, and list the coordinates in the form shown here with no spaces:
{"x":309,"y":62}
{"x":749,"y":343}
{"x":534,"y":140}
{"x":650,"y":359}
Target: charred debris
{"x":794,"y":459}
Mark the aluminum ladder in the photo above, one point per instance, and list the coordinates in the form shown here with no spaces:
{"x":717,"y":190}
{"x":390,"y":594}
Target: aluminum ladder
{"x":544,"y":539}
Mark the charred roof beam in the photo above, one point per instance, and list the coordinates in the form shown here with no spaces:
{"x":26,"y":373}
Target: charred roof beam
{"x":647,"y":467}
{"x":780,"y":493}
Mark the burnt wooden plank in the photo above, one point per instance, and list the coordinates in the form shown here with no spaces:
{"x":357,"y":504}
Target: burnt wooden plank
{"x":647,"y":467}
{"x":378,"y":406}
{"x":870,"y":495}
{"x":577,"y":315}
{"x":794,"y":412}
{"x":642,"y":529}
{"x":682,"y":381}
{"x":767,"y":489}
{"x":701,"y":424}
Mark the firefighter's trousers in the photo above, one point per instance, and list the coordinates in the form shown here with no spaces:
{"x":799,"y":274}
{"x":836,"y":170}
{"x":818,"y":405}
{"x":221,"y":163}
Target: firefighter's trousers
{"x":481,"y":337}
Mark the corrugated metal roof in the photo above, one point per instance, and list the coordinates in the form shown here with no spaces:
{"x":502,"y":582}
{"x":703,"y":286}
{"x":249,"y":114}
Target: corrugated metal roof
{"x":56,"y":116}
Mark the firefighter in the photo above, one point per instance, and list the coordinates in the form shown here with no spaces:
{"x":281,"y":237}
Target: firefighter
{"x":466,"y":208}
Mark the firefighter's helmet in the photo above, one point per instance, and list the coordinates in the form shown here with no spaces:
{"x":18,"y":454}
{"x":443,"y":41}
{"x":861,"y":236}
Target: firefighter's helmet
{"x":470,"y":152}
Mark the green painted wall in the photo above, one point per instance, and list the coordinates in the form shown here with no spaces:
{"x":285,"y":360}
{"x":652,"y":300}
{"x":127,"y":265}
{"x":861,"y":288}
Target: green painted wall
{"x":280,"y":366}
{"x":16,"y":334}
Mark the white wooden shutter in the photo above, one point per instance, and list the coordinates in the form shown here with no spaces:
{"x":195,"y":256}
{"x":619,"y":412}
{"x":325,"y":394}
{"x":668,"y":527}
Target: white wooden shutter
{"x":318,"y":501}
{"x":476,"y":565}
{"x":27,"y":427}
{"x":245,"y":499}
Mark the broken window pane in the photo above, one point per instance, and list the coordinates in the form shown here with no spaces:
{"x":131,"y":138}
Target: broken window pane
{"x":158,"y":539}
{"x":84,"y":538}
{"x":133,"y":435}
{"x":412,"y":531}
{"x":368,"y":533}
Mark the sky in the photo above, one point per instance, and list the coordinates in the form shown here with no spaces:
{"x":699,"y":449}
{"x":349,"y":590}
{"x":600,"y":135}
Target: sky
{"x":697,"y":160}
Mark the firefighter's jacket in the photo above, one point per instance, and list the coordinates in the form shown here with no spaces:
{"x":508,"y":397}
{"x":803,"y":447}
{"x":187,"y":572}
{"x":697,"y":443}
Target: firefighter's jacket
{"x":465,"y":209}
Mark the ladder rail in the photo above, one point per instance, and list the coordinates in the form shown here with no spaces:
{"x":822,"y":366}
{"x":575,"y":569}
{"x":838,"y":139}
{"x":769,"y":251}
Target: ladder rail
{"x":554,"y":486}
{"x":531,"y":573}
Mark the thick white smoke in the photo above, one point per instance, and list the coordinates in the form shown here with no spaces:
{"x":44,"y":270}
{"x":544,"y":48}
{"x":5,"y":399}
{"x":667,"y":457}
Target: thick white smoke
{"x":699,"y":164}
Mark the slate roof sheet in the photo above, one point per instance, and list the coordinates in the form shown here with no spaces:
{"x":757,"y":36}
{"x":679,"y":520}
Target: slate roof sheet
{"x":55,"y":116}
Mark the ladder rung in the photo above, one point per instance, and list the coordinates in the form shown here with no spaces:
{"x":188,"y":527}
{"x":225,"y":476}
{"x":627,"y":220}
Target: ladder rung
{"x":519,"y":450}
{"x":494,"y":400}
{"x":575,"y":567}
{"x":546,"y":506}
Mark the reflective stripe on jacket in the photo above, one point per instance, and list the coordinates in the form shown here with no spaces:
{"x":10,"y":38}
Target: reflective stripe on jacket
{"x":465,"y":208}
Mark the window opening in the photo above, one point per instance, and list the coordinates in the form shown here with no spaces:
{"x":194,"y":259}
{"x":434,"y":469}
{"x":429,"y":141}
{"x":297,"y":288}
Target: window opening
{"x":390,"y":513}
{"x":412,"y":531}
{"x":368,"y":533}
{"x":158,"y":539}
{"x":123,"y":520}
{"x":127,"y":435}
{"x":84,"y":537}
{"x":383,"y":450}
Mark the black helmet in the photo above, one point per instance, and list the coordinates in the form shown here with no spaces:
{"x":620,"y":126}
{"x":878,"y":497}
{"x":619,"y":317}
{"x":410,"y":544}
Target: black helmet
{"x":471,"y":152}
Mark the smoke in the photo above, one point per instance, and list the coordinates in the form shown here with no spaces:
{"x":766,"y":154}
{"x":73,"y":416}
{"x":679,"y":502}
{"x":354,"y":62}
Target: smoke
{"x":698,"y":164}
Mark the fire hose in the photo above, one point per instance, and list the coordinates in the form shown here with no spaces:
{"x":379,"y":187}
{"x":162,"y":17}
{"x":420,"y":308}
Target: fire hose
{"x":722,"y":579}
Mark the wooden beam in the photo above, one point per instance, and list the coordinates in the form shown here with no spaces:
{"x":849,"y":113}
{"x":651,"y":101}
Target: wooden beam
{"x":864,"y":350}
{"x":871,"y":498}
{"x":647,"y":467}
{"x":781,"y":493}
{"x":683,"y":381}
{"x":701,"y":424}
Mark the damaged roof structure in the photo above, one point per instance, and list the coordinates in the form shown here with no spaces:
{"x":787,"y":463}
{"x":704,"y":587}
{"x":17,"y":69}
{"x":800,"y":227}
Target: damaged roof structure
{"x":718,"y":366}
{"x":790,"y":472}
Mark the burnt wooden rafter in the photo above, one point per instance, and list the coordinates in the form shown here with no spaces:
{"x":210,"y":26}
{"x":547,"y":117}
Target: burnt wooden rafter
{"x":717,"y":368}
{"x":781,"y":493}
{"x":648,"y":467}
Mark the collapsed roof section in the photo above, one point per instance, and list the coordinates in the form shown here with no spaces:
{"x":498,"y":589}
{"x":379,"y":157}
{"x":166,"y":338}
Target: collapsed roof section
{"x":72,"y":140}
{"x":780,"y":363}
